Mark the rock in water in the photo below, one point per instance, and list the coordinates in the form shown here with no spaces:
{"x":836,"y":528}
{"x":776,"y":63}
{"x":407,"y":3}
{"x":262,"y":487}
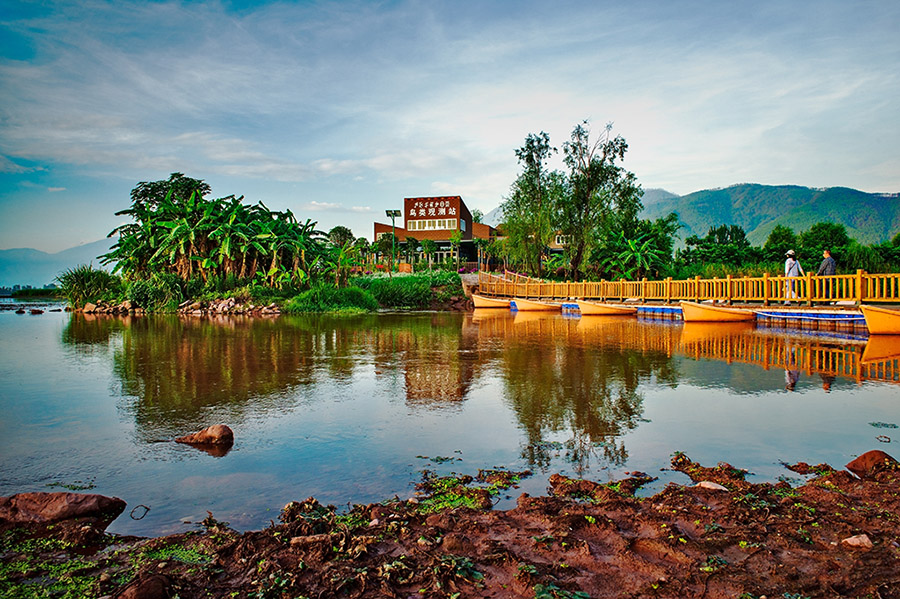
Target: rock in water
{"x":871,"y":462}
{"x":217,"y":434}
{"x":55,"y":507}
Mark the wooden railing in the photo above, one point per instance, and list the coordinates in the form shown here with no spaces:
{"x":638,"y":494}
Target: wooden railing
{"x":809,"y":289}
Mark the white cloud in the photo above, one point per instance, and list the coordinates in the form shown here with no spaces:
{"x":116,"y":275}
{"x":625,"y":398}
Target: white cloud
{"x":372,"y":101}
{"x":315,"y":206}
{"x":55,"y":189}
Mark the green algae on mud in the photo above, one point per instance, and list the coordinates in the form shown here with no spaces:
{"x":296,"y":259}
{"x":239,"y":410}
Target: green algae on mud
{"x":835,"y":535}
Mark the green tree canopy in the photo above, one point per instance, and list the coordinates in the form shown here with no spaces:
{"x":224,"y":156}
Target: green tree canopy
{"x":529,"y":209}
{"x":601,"y":197}
{"x":824,"y":236}
{"x":340,"y":236}
{"x":780,"y":240}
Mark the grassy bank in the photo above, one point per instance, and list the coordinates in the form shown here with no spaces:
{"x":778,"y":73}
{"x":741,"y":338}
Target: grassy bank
{"x":166,"y":292}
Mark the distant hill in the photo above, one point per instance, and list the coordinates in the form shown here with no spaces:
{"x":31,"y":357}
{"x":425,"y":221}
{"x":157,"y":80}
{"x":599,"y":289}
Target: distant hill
{"x":36,"y":268}
{"x":494,"y":217}
{"x":868,"y":217}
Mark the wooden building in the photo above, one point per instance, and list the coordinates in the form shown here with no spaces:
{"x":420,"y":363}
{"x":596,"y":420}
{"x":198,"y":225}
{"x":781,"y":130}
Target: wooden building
{"x":437,"y":218}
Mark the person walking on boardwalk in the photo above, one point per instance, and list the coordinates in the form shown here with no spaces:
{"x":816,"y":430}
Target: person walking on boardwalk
{"x":826,"y":269}
{"x":792,"y":268}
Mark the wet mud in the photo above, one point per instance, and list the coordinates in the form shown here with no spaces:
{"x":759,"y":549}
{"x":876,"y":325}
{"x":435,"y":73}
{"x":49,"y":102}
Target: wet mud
{"x":836,"y":535}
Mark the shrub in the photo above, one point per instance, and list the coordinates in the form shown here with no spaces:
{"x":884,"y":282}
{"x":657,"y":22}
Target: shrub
{"x":413,"y":290}
{"x":85,"y":283}
{"x":160,"y":292}
{"x":326,"y":298}
{"x":400,"y":292}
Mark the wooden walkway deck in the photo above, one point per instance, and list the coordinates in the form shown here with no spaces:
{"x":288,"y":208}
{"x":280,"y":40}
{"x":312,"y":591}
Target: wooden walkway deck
{"x":767,"y":290}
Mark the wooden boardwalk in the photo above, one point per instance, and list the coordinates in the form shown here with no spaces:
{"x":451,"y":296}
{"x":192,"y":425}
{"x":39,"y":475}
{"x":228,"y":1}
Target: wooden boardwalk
{"x":767,"y":290}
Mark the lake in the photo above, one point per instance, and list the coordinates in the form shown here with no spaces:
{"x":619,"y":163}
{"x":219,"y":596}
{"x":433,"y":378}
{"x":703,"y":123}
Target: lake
{"x":353,"y":409}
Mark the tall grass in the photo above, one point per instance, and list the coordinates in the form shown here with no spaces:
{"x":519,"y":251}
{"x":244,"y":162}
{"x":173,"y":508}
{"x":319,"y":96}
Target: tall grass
{"x":413,"y":290}
{"x":163,"y":291}
{"x":85,"y":283}
{"x":325,"y":298}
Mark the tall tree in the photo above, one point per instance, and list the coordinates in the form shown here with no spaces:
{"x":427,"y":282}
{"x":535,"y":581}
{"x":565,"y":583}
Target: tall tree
{"x":780,"y":240}
{"x":603,"y":198}
{"x":340,"y":235}
{"x":529,"y":209}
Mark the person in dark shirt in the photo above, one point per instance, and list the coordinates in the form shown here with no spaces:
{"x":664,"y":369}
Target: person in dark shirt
{"x":827,"y":268}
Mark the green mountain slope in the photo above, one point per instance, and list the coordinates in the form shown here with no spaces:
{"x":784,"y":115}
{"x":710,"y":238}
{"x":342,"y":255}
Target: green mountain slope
{"x":868,"y":217}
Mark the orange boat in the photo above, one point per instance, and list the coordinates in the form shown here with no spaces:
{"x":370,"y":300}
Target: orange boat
{"x":694,"y":312}
{"x":532,"y":305}
{"x":595,"y":308}
{"x":881,"y":321}
{"x":482,"y":301}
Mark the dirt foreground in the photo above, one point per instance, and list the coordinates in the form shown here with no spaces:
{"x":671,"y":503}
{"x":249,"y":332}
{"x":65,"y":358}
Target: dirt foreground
{"x":837,"y":535}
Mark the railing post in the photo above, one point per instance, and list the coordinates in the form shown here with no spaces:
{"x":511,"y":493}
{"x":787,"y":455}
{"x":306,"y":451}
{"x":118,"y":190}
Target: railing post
{"x":644,"y":290}
{"x":728,"y":289}
{"x":809,"y":289}
{"x":697,"y":288}
{"x":668,"y":290}
{"x":765,"y":289}
{"x":859,"y":286}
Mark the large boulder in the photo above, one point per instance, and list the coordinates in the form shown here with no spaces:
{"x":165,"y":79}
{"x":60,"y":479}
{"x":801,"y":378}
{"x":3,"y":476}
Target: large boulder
{"x":54,"y":507}
{"x":217,"y":434}
{"x":872,"y":462}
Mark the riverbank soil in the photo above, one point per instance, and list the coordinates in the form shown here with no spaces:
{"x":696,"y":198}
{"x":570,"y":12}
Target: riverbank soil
{"x":836,"y":535}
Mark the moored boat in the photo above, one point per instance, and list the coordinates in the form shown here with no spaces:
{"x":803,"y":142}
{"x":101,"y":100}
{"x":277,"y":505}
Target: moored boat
{"x":534,"y":305}
{"x":596,"y":308}
{"x":483,"y":301}
{"x":881,"y":321}
{"x":694,"y":312}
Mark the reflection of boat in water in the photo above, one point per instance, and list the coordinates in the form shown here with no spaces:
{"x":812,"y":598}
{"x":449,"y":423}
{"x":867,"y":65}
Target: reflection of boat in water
{"x":700,"y":331}
{"x":533,"y":305}
{"x":881,"y":348}
{"x":532,"y":316}
{"x":483,"y":301}
{"x":598,"y":309}
{"x":485,"y":314}
{"x":694,"y":312}
{"x":881,"y":321}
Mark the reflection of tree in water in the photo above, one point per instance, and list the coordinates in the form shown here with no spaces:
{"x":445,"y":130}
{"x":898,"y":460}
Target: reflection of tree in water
{"x":555,"y":384}
{"x":173,"y":371}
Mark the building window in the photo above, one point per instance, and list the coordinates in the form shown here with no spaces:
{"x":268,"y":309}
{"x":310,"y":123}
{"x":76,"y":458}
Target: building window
{"x":462,"y":225}
{"x":443,"y":223}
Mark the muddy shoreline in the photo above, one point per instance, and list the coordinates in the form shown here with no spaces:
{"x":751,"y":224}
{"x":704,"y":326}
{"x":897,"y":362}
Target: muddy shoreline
{"x":837,"y":535}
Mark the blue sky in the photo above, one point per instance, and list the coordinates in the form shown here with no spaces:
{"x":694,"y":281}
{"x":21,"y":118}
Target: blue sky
{"x":338,"y":110}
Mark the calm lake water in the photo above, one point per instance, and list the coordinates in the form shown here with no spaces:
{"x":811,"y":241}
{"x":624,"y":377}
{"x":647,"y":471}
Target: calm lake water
{"x":352,"y":409}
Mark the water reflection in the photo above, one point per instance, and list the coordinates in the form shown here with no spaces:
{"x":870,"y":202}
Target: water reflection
{"x":578,"y":377}
{"x":581,"y":380}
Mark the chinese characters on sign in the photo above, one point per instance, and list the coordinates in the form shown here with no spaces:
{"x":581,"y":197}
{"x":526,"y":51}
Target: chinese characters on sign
{"x":431,"y":209}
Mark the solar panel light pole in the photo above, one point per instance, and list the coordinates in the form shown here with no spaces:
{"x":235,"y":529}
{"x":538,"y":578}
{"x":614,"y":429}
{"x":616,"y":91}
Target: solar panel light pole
{"x":392,"y":214}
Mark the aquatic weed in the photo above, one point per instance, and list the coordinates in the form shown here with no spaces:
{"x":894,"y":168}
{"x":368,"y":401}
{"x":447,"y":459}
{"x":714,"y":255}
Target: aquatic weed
{"x":551,"y":591}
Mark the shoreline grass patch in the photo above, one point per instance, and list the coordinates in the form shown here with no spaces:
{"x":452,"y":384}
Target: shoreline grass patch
{"x":325,"y":298}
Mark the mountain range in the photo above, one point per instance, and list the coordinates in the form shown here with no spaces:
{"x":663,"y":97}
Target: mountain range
{"x":25,"y":266}
{"x":868,"y":217}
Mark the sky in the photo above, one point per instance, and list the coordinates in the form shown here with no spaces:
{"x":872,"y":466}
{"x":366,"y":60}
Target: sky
{"x":339,"y":110}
